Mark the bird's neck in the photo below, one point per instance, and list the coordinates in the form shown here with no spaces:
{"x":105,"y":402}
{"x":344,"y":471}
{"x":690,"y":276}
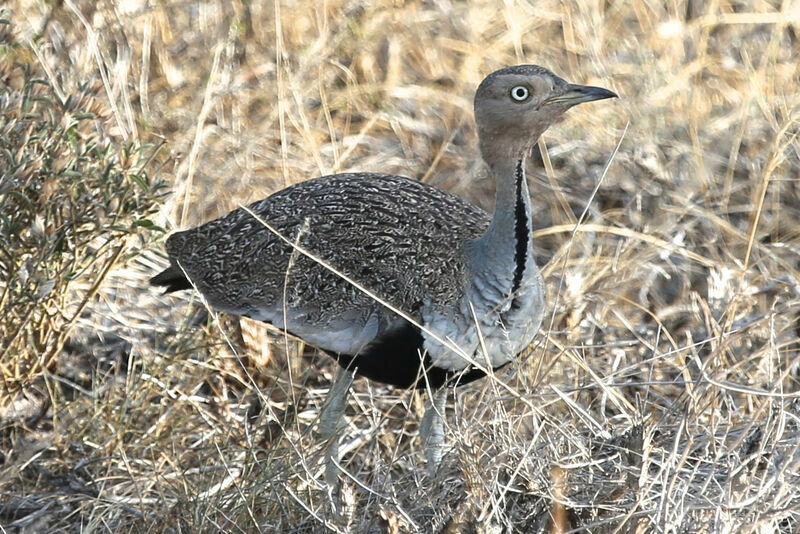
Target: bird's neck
{"x":506,"y":245}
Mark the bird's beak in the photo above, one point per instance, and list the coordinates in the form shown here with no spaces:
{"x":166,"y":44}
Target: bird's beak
{"x":578,"y":94}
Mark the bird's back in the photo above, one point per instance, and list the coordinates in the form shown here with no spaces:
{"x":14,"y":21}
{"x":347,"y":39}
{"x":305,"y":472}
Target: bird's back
{"x":399,"y":238}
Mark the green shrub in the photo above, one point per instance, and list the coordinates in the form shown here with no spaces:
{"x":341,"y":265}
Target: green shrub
{"x":74,"y":202}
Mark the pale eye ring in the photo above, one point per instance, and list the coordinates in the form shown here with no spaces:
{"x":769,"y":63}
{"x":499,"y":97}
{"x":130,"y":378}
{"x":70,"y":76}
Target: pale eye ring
{"x":520,"y":93}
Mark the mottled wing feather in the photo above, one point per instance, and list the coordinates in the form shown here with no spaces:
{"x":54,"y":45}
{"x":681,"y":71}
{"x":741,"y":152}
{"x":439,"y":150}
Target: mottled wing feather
{"x":397,"y":237}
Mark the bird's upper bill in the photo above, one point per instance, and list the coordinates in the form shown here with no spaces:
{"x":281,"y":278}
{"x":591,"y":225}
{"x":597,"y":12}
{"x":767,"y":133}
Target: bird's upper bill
{"x":578,"y":94}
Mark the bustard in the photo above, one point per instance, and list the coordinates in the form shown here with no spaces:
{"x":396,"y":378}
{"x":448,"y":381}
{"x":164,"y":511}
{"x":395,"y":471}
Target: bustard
{"x":464,"y":281}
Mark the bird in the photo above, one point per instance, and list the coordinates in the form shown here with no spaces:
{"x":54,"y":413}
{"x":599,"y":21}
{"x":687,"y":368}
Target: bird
{"x":399,"y":281}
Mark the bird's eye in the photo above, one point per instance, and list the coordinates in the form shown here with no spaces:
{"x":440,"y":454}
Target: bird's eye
{"x":520,"y":93}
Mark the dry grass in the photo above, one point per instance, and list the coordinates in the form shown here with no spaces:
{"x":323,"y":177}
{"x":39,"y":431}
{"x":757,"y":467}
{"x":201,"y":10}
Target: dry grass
{"x":663,"y":395}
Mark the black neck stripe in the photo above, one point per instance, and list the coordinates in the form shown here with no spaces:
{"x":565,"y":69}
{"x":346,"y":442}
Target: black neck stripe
{"x":521,"y":226}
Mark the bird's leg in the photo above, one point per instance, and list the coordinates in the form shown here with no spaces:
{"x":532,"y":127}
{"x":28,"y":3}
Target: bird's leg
{"x":330,"y":422}
{"x":431,"y":429}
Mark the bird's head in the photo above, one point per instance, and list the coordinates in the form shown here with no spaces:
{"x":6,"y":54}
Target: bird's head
{"x":515,"y":105}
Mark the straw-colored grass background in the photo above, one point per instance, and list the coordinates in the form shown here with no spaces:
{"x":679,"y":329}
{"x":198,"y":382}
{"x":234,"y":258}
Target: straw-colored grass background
{"x":662,"y":394}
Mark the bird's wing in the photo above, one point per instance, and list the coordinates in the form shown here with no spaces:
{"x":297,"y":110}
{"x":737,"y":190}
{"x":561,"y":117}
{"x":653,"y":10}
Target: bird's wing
{"x":393,"y":236}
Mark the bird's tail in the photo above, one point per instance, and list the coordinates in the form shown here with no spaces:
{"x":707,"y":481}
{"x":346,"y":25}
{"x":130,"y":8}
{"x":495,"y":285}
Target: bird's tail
{"x":172,"y":279}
